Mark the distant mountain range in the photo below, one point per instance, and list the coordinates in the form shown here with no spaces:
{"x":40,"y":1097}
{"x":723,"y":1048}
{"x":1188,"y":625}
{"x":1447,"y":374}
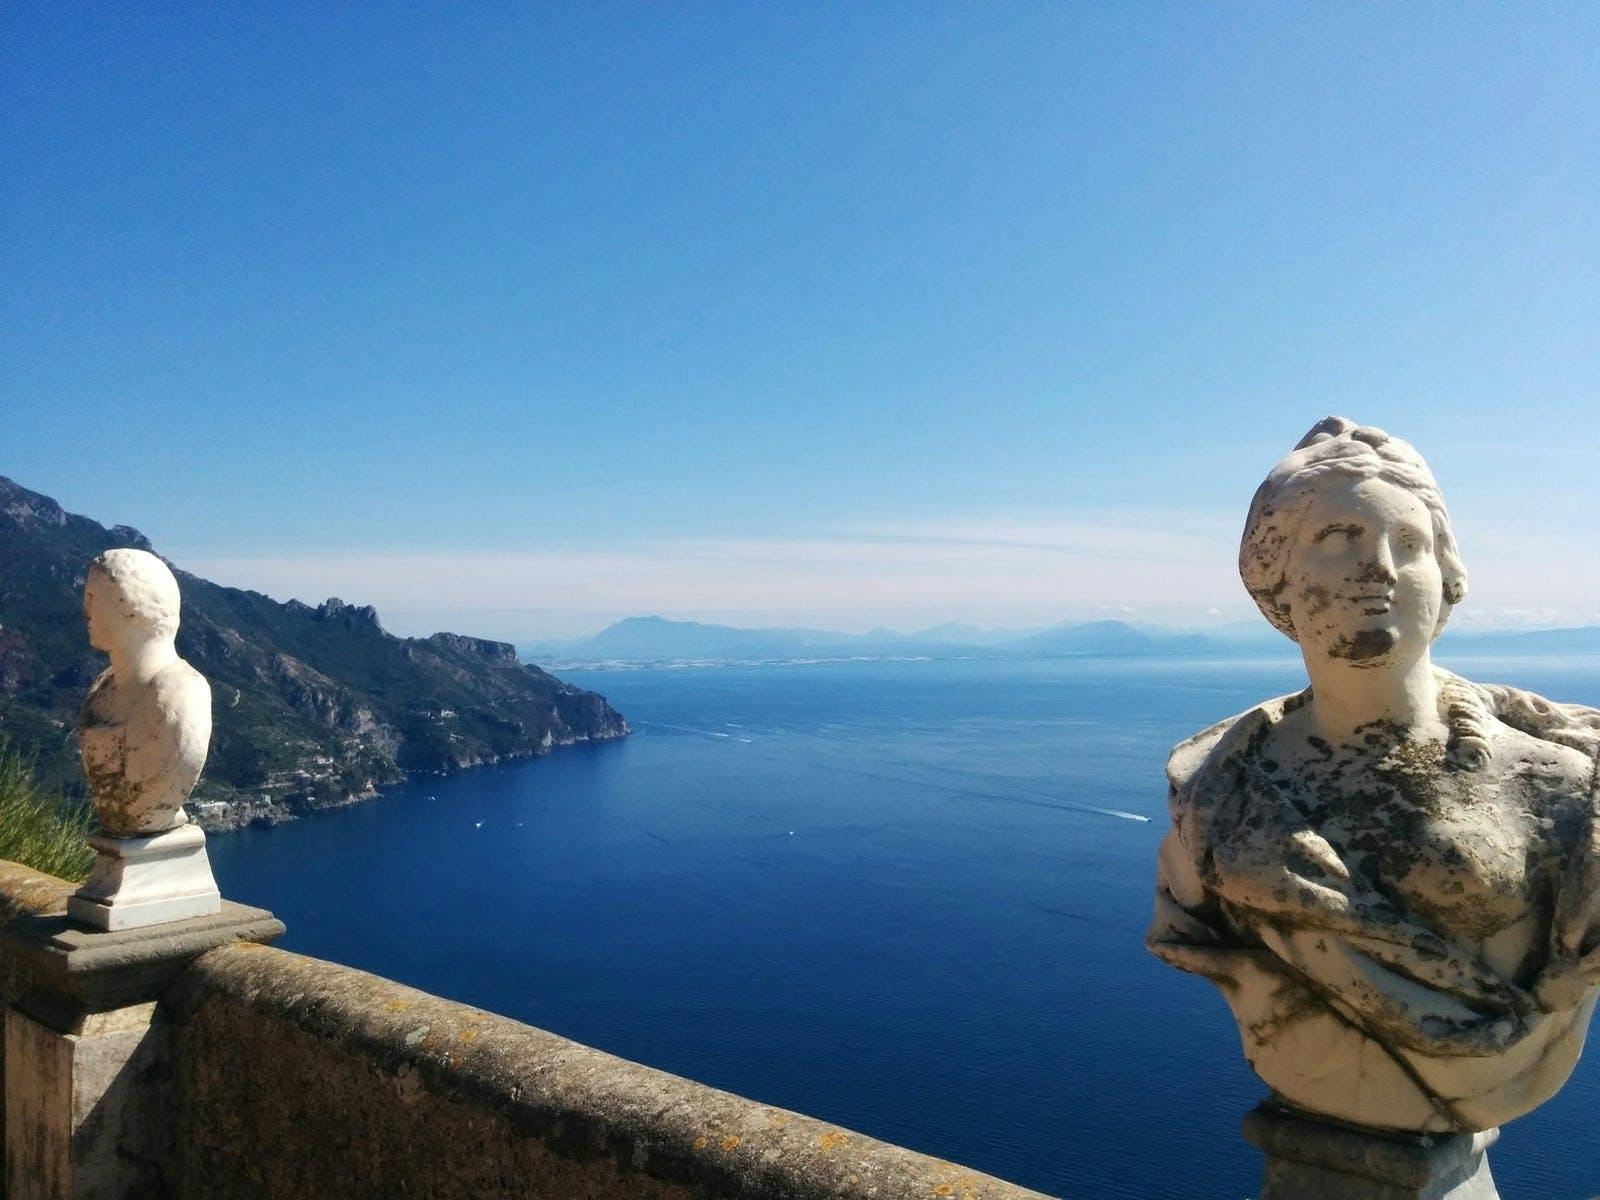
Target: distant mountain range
{"x":656,"y":640}
{"x":312,"y":705}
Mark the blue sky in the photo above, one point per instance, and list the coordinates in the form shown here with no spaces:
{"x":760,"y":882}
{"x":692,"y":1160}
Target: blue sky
{"x":518,"y":318}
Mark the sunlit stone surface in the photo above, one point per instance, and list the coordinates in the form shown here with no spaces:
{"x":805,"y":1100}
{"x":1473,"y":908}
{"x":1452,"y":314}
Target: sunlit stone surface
{"x":143,"y":732}
{"x":1392,"y":876}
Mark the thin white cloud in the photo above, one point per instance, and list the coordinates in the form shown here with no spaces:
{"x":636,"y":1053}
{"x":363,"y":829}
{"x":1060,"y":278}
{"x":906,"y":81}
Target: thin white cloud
{"x":998,"y":571}
{"x":1173,"y":568}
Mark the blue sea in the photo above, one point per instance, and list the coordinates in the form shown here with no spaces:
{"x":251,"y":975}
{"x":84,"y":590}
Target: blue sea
{"x":905,"y":897}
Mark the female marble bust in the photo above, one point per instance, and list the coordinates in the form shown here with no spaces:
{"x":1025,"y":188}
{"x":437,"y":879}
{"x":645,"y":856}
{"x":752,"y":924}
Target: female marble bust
{"x":145,"y":726}
{"x":1394,"y":875}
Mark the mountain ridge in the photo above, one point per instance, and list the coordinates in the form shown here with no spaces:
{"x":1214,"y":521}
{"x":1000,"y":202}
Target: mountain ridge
{"x":655,"y":638}
{"x":313,"y":705}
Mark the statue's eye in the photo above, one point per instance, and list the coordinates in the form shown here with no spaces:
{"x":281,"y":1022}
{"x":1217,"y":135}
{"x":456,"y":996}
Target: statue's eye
{"x":1338,"y":536}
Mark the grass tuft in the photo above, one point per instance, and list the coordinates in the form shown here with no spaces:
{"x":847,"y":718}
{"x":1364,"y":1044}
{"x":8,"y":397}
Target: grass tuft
{"x":37,"y":830}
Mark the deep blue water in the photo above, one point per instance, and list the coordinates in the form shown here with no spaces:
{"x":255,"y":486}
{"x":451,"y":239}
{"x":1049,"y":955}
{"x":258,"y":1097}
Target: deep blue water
{"x":878,"y":893}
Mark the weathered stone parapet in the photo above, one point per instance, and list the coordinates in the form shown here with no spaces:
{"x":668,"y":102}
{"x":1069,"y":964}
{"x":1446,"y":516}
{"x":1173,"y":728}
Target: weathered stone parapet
{"x":88,"y":1105}
{"x":23,"y":892}
{"x":65,"y":966}
{"x":292,"y":1077}
{"x":300,"y":1078}
{"x":89,"y":1050}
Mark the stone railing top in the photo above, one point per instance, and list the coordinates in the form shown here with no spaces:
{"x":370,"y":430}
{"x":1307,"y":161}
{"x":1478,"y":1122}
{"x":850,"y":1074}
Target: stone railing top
{"x":580,"y":1102}
{"x":26,"y":892}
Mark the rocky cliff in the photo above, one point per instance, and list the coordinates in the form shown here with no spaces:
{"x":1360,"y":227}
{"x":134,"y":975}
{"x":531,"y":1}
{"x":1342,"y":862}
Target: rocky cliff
{"x":313,"y":706}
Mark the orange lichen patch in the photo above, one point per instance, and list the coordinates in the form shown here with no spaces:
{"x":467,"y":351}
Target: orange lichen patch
{"x":468,"y":1035}
{"x":830,"y":1139}
{"x":700,"y":1142}
{"x":730,"y":1143}
{"x":944,"y":1189}
{"x":397,"y":1006}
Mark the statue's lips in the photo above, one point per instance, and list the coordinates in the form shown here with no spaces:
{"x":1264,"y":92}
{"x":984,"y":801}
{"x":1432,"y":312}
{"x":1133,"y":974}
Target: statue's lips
{"x":1376,"y":604}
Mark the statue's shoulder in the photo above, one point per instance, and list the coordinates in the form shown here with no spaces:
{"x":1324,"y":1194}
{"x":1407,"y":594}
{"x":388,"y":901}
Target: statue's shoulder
{"x":1525,"y":714}
{"x":1199,"y":757}
{"x":179,"y":685}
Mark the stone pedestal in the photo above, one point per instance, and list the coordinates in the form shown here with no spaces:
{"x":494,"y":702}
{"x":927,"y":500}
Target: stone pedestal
{"x":139,"y":881}
{"x":1312,"y":1159}
{"x":87,"y":1106}
{"x":88,"y":1062}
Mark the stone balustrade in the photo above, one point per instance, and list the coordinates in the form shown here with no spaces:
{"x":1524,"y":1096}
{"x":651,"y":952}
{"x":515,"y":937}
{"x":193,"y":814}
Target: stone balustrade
{"x":23,"y":892}
{"x":285,"y":1076}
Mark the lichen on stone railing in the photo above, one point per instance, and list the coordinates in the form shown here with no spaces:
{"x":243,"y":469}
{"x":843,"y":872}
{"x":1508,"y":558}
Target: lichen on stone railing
{"x":299,"y":1077}
{"x":242,"y":1071}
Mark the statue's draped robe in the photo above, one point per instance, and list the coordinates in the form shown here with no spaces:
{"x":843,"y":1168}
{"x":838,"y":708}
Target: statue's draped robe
{"x":1350,"y":1003}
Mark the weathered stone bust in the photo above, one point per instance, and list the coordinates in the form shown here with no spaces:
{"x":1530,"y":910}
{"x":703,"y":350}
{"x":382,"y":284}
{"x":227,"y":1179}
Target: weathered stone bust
{"x":145,"y":727}
{"x":1394,"y":875}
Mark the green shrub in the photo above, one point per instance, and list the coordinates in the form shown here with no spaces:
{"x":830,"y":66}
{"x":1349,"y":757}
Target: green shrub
{"x":40,"y":831}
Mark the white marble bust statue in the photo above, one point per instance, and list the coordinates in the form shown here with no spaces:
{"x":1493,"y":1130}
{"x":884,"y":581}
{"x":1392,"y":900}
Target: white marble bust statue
{"x":145,"y":726}
{"x":1394,"y":875}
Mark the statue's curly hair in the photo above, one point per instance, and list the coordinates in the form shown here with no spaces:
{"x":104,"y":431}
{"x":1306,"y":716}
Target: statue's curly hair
{"x":146,"y":585}
{"x":1336,"y":447}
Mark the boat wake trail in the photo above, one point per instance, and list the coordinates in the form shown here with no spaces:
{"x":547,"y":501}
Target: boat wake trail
{"x":1033,"y":799}
{"x":710,"y":733}
{"x":976,"y":790}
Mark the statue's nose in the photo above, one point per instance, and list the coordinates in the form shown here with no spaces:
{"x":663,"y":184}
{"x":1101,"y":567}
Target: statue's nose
{"x":1380,"y":567}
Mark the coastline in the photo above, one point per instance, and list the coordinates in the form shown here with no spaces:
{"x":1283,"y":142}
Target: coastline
{"x":228,"y":816}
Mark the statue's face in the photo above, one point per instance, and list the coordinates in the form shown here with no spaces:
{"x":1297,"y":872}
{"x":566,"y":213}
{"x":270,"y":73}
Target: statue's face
{"x":114,"y":620}
{"x":1363,"y":583}
{"x":98,"y":604}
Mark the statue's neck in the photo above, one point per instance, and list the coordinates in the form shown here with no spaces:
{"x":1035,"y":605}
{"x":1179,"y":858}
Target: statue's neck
{"x":136,"y":665}
{"x":1346,"y":698}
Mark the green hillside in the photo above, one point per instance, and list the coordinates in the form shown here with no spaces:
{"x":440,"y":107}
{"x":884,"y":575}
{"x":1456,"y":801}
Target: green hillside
{"x":312,"y":706}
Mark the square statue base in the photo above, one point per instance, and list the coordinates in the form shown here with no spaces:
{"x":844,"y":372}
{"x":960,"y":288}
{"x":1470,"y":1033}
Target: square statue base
{"x":1311,"y":1159}
{"x":139,"y":881}
{"x":91,"y":1107}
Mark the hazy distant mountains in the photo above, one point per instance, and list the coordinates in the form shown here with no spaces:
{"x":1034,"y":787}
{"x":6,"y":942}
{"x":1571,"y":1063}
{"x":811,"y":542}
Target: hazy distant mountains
{"x":646,"y":640}
{"x":656,"y":640}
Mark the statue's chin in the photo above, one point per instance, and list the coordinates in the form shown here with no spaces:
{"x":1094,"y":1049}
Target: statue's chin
{"x":1386,"y":647}
{"x":1365,"y":647}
